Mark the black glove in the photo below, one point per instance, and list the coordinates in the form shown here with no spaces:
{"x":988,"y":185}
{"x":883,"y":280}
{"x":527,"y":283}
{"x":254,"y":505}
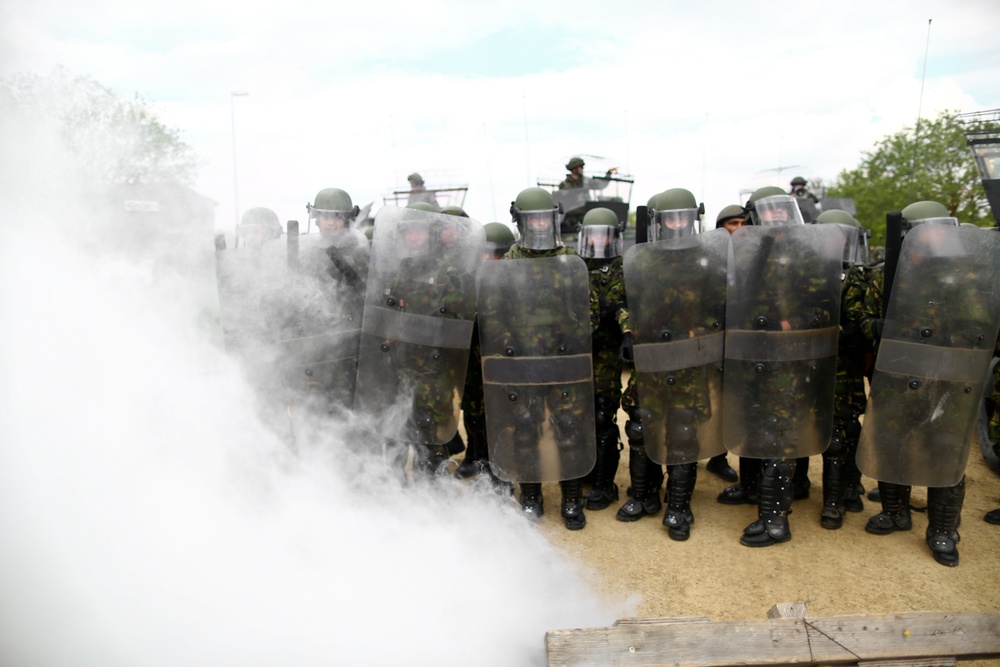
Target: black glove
{"x":625,"y":353}
{"x":879,"y":325}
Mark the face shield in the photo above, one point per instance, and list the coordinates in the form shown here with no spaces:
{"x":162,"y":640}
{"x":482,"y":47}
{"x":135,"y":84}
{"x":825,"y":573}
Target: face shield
{"x":674,"y":224}
{"x":776,"y":211}
{"x":329,"y":222}
{"x":255,"y":236}
{"x":910,"y":224}
{"x":599,"y":242}
{"x":855,"y":245}
{"x":539,"y":229}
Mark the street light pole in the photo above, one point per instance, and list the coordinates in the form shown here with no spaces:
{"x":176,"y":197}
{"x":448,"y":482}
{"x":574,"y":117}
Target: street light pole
{"x":232,"y":112}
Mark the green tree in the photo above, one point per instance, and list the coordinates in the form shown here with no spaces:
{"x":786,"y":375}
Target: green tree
{"x":906,"y":167}
{"x":106,"y":139}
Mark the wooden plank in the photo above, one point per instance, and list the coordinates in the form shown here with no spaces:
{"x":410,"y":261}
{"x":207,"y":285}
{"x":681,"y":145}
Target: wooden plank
{"x":659,"y":621}
{"x":931,"y":662}
{"x":826,"y":640}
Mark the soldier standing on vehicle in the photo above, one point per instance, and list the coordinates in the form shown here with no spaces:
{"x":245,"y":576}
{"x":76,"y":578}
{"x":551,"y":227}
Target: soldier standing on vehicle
{"x":574,"y":180}
{"x":419,"y":193}
{"x":934,"y":313}
{"x":600,"y":245}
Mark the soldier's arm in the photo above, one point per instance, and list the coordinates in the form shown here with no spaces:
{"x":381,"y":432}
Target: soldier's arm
{"x":870,"y":319}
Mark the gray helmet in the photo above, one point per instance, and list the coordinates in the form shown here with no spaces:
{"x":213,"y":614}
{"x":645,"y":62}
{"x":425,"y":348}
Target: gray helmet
{"x":675,"y":213}
{"x":921,"y":212}
{"x":263,"y":221}
{"x":856,"y":249}
{"x":455,"y":210}
{"x":771,"y":206}
{"x":499,"y":238}
{"x":537,"y":218}
{"x":415,"y":178}
{"x":798,"y":181}
{"x":600,"y":235}
{"x":839,"y":217}
{"x":422,"y":206}
{"x":335,"y":202}
{"x":728,"y":213}
{"x":574,"y":162}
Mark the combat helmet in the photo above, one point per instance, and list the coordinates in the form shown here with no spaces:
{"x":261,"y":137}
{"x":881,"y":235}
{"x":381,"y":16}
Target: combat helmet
{"x":771,"y":206}
{"x":728,"y":213}
{"x":499,"y":238}
{"x":856,"y":237}
{"x":258,"y":225}
{"x":600,"y":236}
{"x":675,"y":213}
{"x":927,"y":211}
{"x":333,"y":203}
{"x":574,"y":162}
{"x":537,"y":218}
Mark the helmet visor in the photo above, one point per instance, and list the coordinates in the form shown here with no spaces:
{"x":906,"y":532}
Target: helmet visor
{"x":599,"y":242}
{"x":674,"y":224}
{"x":539,"y":230}
{"x":777,"y":210}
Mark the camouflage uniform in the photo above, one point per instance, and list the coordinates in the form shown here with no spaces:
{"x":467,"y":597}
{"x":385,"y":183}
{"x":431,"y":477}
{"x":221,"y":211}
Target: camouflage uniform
{"x":609,"y":318}
{"x":841,"y":475}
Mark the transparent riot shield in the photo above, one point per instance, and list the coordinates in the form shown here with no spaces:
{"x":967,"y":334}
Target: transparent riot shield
{"x":246,"y":278}
{"x":934,"y":358}
{"x":677,"y":309}
{"x":538,"y":380}
{"x":782,"y":315}
{"x":322,"y":301}
{"x":420,"y":305}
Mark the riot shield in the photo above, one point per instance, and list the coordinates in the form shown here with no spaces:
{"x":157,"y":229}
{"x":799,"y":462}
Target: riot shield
{"x":538,"y":381}
{"x":782,"y":315}
{"x":246,"y":277}
{"x":420,"y":305}
{"x":934,"y":358}
{"x":677,"y":309}
{"x":321,"y":304}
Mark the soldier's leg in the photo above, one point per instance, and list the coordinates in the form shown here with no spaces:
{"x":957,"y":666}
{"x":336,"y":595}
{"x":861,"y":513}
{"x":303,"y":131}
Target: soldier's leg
{"x":603,"y":490}
{"x":718,"y":465}
{"x":743,"y":492}
{"x":771,"y":526}
{"x":800,"y":479}
{"x":895,"y":514}
{"x":944,"y":510}
{"x":834,"y":477}
{"x":680,"y":486}
{"x":852,"y":474}
{"x":475,"y":454}
{"x":572,"y":504}
{"x":643,"y":499}
{"x":531,"y":500}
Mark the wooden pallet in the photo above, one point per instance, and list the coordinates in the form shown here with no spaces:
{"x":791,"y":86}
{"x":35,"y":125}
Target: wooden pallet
{"x":787,"y":637}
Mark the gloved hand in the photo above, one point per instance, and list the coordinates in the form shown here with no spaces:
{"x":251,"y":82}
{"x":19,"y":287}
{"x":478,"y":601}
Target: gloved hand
{"x":625,"y":353}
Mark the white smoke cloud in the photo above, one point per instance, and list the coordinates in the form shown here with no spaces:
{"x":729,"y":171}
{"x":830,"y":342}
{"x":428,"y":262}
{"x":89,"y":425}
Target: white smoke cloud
{"x":148,"y":518}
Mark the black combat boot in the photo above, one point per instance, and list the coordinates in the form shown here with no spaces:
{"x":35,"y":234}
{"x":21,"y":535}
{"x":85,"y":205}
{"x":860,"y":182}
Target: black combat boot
{"x":603,"y":490}
{"x":455,"y":445}
{"x":853,"y":491}
{"x":680,"y":486}
{"x":743,"y":492}
{"x":832,"y":514}
{"x":531,"y":500}
{"x":944,"y":508}
{"x":718,"y":465}
{"x":895,"y":514}
{"x":644,"y":499}
{"x":800,"y":480}
{"x":475,"y":455}
{"x":572,"y":504}
{"x":771,"y":526}
{"x":429,"y":460}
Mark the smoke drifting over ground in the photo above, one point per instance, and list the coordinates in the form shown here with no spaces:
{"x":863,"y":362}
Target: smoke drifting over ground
{"x":147,"y":517}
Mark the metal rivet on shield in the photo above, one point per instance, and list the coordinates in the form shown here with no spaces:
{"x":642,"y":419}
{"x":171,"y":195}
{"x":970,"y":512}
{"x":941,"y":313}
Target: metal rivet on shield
{"x":436,"y":356}
{"x":442,"y":310}
{"x":914,"y":384}
{"x":565,"y":394}
{"x":671,"y":380}
{"x":812,"y":368}
{"x":716,"y":324}
{"x":512,"y":396}
{"x":389,"y":301}
{"x":309,"y":372}
{"x":980,"y":338}
{"x":968,"y":390}
{"x":384,"y":347}
{"x":758,"y":368}
{"x":509,"y":351}
{"x":926,"y":332}
{"x":665,"y":335}
{"x":562,"y":349}
{"x":760,"y":321}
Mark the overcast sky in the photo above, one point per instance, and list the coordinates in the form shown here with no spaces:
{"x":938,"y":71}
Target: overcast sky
{"x":357,"y":95}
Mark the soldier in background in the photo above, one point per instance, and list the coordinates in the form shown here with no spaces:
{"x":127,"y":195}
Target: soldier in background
{"x":499,"y":239}
{"x":419,"y":193}
{"x":841,"y":476}
{"x":600,"y":245}
{"x":576,"y":179}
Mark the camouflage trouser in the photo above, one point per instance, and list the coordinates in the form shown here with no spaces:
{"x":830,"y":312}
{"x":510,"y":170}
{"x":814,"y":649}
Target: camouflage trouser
{"x":474,"y":418}
{"x":992,"y":403}
{"x":608,"y":381}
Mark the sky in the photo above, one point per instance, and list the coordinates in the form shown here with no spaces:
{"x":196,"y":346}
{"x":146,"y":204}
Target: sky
{"x":704,"y":96}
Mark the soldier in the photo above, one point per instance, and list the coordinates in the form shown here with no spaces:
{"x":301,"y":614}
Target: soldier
{"x":600,"y":245}
{"x":677,"y":311}
{"x":537,"y":373}
{"x":935,"y":338}
{"x":807,"y":201}
{"x":499,"y":239}
{"x":419,"y":193}
{"x":418,"y":320}
{"x":841,"y":475}
{"x":782,"y":311}
{"x":574,"y":180}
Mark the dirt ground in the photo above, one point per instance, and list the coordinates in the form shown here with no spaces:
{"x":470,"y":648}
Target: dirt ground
{"x":845,"y":571}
